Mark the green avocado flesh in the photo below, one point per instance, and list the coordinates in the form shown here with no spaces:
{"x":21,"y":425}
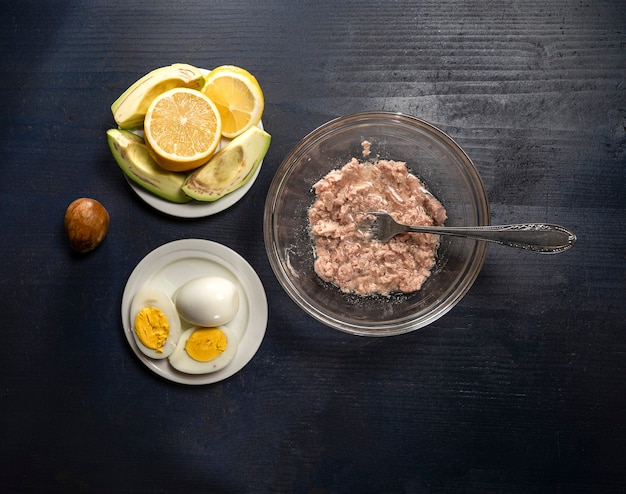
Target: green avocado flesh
{"x":133,"y":158}
{"x":230,"y":168}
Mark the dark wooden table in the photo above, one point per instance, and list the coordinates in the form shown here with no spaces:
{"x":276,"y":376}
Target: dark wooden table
{"x":520,"y":388}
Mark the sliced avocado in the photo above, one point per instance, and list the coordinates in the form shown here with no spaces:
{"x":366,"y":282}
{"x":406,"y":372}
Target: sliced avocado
{"x":230,"y":168}
{"x":129,"y":110}
{"x":133,"y":158}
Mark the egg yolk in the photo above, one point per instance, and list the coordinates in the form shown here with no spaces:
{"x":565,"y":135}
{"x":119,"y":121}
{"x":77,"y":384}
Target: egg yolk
{"x":206,"y":344}
{"x":152,"y":328}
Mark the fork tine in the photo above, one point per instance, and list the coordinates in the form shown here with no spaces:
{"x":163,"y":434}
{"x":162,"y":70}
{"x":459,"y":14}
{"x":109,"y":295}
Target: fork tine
{"x":375,"y":226}
{"x":366,"y":227}
{"x":381,"y":228}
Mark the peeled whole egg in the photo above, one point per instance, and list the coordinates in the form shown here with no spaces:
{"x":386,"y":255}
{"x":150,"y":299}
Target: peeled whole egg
{"x":209,"y":301}
{"x":155,"y":323}
{"x":204,"y":350}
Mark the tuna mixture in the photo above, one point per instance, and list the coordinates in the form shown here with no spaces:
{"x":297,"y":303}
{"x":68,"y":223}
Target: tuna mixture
{"x":344,"y":254}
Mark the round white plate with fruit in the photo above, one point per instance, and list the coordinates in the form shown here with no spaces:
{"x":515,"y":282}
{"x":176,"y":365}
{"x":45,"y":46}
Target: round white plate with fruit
{"x":199,"y":164}
{"x":176,"y":272}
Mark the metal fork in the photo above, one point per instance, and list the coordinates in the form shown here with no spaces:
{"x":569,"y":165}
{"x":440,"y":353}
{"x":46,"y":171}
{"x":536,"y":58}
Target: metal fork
{"x":537,"y":237}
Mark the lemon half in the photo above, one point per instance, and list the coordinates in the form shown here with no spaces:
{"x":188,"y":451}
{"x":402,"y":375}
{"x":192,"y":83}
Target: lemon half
{"x":182,"y":129}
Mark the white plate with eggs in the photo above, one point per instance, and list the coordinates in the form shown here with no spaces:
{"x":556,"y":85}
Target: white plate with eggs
{"x":176,"y":265}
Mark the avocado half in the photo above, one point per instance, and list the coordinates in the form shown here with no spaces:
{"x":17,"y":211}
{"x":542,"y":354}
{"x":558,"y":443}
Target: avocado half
{"x":132,"y":156}
{"x":230,"y":168}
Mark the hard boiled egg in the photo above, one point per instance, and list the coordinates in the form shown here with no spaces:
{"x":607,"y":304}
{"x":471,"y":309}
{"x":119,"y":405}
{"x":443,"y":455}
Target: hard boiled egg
{"x":209,"y":301}
{"x":204,"y":350}
{"x":156,"y":326}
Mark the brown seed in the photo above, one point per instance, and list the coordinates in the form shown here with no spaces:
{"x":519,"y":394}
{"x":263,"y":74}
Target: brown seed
{"x":86,"y":224}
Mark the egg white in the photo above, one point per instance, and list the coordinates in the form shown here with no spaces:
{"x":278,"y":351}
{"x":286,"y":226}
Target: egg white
{"x":182,"y":362}
{"x":209,"y":301}
{"x":153,"y":297}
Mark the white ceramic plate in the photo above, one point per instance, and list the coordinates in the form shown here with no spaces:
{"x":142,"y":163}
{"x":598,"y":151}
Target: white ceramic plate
{"x":195,"y":209}
{"x":173,"y":264}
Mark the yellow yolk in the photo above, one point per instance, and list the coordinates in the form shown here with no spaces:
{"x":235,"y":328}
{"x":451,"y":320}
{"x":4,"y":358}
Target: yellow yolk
{"x":206,"y":344}
{"x":152,"y":328}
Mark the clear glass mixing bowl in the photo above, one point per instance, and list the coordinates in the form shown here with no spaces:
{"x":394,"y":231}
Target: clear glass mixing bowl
{"x":432,"y":156}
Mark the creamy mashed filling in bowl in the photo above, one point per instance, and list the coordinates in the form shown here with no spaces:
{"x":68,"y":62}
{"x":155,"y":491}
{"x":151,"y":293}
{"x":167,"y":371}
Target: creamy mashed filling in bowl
{"x":430,"y":155}
{"x":345,"y":253}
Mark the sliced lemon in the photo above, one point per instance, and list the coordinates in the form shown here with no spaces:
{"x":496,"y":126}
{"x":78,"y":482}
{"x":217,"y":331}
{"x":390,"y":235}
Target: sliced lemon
{"x":238,"y":97}
{"x":182,"y":129}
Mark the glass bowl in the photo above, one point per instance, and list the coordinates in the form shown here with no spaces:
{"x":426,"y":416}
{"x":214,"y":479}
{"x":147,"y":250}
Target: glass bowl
{"x":432,"y":156}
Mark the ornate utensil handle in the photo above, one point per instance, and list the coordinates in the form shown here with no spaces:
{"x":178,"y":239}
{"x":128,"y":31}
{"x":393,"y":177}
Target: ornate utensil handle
{"x":538,"y":237}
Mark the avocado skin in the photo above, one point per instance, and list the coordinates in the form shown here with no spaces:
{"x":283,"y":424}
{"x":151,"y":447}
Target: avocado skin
{"x":132,"y":156}
{"x":232,"y":166}
{"x":129,"y":110}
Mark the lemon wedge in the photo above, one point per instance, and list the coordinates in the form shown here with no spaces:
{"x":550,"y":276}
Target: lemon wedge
{"x":237,"y":96}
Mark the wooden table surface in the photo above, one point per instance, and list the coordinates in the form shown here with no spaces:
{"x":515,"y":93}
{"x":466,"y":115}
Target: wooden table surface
{"x":520,"y":388}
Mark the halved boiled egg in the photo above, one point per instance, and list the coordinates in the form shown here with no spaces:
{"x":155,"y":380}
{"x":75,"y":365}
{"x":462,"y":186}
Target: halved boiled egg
{"x":210,"y":301}
{"x":204,"y":350}
{"x":155,"y":322}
